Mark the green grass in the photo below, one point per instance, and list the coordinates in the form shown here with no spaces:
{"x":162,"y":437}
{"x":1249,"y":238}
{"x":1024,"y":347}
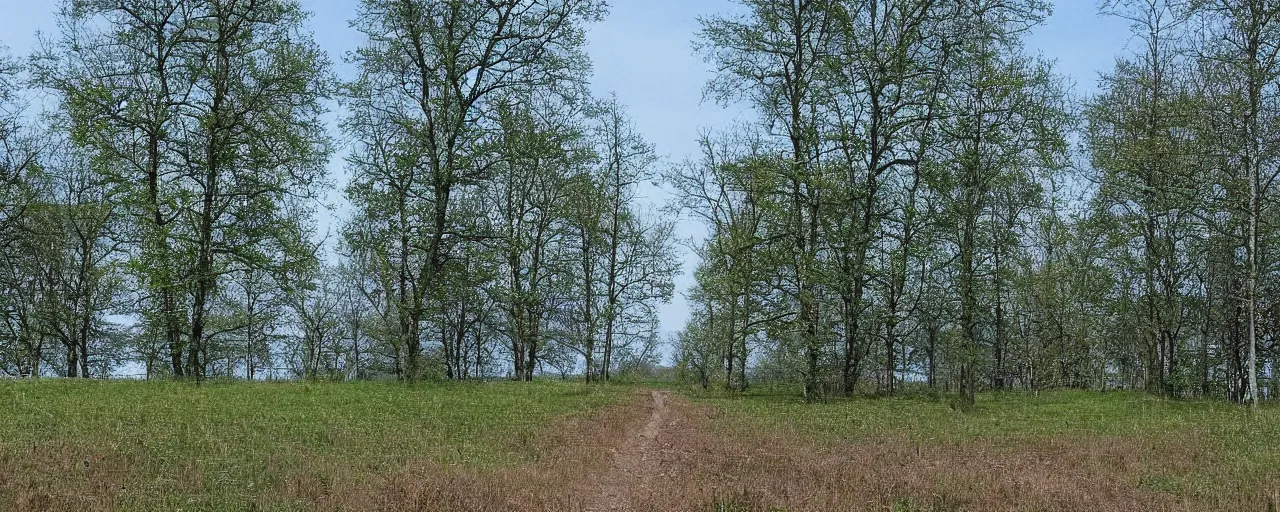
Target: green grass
{"x":92,"y":445}
{"x":1226,"y":447}
{"x":233,"y":438}
{"x":1013,"y":416}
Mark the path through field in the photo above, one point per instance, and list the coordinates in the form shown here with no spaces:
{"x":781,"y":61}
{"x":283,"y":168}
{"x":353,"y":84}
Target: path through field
{"x":671,"y":455}
{"x":637,"y":461}
{"x":649,"y":450}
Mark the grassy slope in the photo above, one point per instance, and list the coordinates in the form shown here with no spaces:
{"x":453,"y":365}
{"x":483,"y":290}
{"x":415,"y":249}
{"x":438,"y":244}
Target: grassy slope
{"x":228,"y":445}
{"x":1191,"y":449}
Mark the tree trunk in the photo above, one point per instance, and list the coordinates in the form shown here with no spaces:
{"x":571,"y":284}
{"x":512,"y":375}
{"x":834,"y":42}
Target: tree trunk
{"x":589,"y":298}
{"x":73,"y":365}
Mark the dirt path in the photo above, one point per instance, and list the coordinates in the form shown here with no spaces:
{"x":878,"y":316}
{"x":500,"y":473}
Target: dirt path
{"x":637,"y":461}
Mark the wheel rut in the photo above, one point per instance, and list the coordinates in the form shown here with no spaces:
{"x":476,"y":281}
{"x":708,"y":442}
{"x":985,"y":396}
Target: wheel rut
{"x":637,"y":463}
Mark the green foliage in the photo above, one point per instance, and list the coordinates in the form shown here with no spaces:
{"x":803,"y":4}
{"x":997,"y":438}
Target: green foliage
{"x":904,"y":208}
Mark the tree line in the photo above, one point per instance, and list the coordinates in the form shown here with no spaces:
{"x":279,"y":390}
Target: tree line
{"x":162,"y":215}
{"x":921,"y":201}
{"x":924,"y":202}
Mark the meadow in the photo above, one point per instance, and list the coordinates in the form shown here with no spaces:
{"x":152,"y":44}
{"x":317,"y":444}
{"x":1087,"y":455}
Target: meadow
{"x":550,"y":445}
{"x":89,"y":445}
{"x":1061,"y":450}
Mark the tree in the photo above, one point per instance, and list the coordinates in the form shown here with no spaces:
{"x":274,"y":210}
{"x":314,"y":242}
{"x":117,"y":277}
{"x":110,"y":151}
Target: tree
{"x":431,"y":72}
{"x":732,"y":190}
{"x":316,"y":310}
{"x":1245,"y":42}
{"x":108,"y":54}
{"x":1136,"y":129}
{"x":82,"y":268}
{"x":889,"y":60}
{"x":206,"y":116}
{"x":258,"y":307}
{"x":1004,"y":121}
{"x":771,"y":56}
{"x":639,"y":265}
{"x":538,"y":150}
{"x":21,"y":174}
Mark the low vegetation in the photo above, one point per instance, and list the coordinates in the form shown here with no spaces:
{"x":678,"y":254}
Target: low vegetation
{"x":1064,"y":450}
{"x":230,"y":446}
{"x":563,"y":446}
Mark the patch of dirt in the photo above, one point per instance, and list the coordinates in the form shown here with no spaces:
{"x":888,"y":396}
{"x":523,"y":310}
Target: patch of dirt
{"x":635,"y":463}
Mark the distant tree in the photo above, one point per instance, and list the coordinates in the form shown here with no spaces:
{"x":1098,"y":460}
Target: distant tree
{"x":317,"y":351}
{"x":1137,"y":136}
{"x":889,"y":60}
{"x":731,"y":190}
{"x":639,"y":263}
{"x":537,"y":153}
{"x":83,"y":267}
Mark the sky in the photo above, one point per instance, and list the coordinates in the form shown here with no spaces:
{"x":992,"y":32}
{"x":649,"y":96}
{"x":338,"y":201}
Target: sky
{"x":642,"y":53}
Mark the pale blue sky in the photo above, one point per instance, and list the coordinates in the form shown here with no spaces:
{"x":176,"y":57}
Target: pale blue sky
{"x":642,"y":53}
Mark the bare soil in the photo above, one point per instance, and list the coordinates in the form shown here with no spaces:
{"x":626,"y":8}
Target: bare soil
{"x":637,"y":465}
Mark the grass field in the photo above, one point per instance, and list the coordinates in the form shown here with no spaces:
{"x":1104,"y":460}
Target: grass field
{"x":72,"y":445}
{"x":562,"y":446}
{"x":1092,"y":450}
